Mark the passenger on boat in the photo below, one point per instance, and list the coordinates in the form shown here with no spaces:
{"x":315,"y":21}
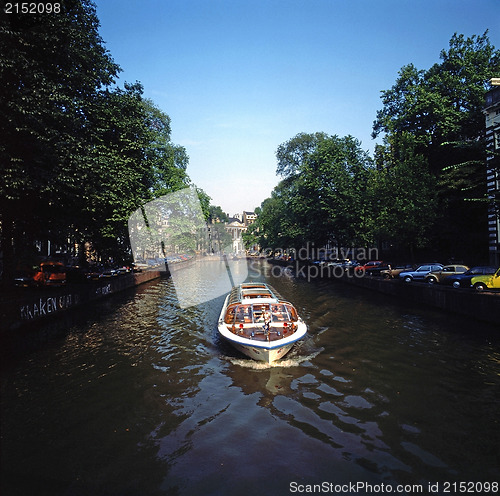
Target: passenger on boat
{"x":267,"y":319}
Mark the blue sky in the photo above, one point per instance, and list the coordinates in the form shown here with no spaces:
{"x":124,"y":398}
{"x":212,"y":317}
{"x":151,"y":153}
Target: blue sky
{"x":240,"y":77}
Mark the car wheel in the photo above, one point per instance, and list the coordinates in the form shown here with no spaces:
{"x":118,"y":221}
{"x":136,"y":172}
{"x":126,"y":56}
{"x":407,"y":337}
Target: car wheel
{"x":432,"y":280}
{"x":407,"y":279}
{"x":456,"y":284}
{"x":479,"y":286}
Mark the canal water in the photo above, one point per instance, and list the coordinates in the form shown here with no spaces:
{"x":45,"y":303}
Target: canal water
{"x":137,"y":396}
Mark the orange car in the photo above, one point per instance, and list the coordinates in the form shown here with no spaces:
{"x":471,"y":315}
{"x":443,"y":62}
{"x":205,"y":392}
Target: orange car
{"x":50,"y":274}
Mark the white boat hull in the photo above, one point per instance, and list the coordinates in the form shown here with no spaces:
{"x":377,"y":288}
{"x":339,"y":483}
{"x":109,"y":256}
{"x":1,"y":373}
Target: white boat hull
{"x":262,"y":354}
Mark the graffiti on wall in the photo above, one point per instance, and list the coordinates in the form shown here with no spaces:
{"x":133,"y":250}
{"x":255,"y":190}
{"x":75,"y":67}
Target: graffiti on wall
{"x":47,"y":306}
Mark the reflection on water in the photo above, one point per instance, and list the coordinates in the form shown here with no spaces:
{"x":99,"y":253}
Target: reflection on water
{"x":207,"y":279}
{"x":138,"y":396}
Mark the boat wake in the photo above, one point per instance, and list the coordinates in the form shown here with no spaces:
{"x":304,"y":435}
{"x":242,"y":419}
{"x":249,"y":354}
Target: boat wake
{"x":288,"y":362}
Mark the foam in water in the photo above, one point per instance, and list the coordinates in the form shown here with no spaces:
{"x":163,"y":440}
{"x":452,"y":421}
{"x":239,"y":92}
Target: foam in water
{"x":292,"y":361}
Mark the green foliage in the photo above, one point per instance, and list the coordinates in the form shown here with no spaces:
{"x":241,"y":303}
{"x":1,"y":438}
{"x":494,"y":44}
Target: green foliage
{"x":294,"y":153}
{"x":428,"y":187}
{"x":77,"y":156}
{"x":404,"y":197}
{"x":205,"y":204}
{"x":52,"y":68}
{"x":444,"y":103}
{"x":441,"y":108}
{"x":217,"y":215}
{"x":321,"y":195}
{"x":250,"y":237}
{"x":166,"y":161}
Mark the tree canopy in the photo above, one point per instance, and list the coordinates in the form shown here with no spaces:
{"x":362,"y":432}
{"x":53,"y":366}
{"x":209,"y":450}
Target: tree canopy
{"x":424,"y":192}
{"x":320,"y":196}
{"x":78,"y":154}
{"x":441,"y":108}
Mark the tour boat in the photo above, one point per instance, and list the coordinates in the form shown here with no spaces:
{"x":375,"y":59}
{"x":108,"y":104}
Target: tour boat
{"x":259,"y":323}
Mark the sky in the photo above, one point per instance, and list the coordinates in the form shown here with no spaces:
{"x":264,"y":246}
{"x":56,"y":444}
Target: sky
{"x":240,"y":77}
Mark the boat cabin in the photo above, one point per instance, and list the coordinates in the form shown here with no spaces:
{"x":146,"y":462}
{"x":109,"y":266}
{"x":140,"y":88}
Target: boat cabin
{"x":250,"y":301}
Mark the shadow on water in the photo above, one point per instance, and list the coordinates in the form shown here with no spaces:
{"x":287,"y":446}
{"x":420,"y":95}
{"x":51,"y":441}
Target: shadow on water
{"x":141,"y":397}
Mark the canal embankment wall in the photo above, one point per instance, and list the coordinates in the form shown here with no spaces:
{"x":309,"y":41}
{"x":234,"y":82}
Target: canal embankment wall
{"x":29,"y":306}
{"x":484,"y":306}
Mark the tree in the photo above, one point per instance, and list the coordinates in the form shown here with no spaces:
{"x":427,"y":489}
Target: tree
{"x":321,"y":197}
{"x":118,"y":176}
{"x":217,"y":215}
{"x":403,"y":198}
{"x":52,"y":68}
{"x":131,"y":161}
{"x":279,"y":224}
{"x":444,"y":103}
{"x":77,"y":155}
{"x":293,"y":154}
{"x":442,"y":109}
{"x":250,"y":237}
{"x":167,"y":161}
{"x":323,"y":187}
{"x":334,"y":189}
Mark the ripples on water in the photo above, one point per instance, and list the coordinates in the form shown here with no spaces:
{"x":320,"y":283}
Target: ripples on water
{"x":140,"y":397}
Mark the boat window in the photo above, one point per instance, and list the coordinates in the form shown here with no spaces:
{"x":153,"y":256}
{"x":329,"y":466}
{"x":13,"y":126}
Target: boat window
{"x":261,"y":294}
{"x":258,"y":313}
{"x":280,"y":313}
{"x":243,"y":314}
{"x":229,"y":319}
{"x":292,"y":312}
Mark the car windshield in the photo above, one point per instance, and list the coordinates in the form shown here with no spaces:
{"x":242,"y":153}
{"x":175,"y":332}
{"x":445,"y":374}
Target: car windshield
{"x":481,"y":270}
{"x":54,"y":269}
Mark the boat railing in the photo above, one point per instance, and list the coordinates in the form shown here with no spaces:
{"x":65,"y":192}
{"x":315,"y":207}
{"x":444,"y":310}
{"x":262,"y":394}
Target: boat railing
{"x":247,"y":313}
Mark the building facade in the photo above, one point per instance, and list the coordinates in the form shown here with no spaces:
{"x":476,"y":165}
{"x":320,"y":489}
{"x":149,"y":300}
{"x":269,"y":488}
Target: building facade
{"x":236,"y":226}
{"x":249,"y":218}
{"x":492,"y":114}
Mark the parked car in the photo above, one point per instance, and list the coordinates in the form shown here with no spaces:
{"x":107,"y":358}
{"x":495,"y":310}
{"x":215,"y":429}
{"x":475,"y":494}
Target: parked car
{"x":368,"y":265}
{"x":420,"y":273}
{"x":464,"y":280}
{"x":489,"y":281}
{"x":336,"y":262}
{"x":23,"y":279}
{"x":448,"y":270}
{"x":50,"y":274}
{"x":377,"y":270}
{"x":393,"y":272}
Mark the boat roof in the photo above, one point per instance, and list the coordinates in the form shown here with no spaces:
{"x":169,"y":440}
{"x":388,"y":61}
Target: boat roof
{"x":253,"y":291}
